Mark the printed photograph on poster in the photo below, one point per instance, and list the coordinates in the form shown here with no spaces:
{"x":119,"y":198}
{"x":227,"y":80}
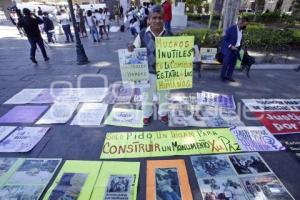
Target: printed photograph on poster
{"x":34,"y":171}
{"x":6,"y":164}
{"x":221,"y":188}
{"x":256,"y":138}
{"x":23,"y":114}
{"x":250,"y":163}
{"x":211,"y":166}
{"x":265,"y":187}
{"x":69,"y":186}
{"x":5,"y":131}
{"x":167,"y":179}
{"x":208,"y":55}
{"x":21,"y":192}
{"x":125,"y":117}
{"x":23,"y":139}
{"x":182,"y":98}
{"x":215,"y":99}
{"x":24,"y":97}
{"x":167,"y":184}
{"x":119,"y":187}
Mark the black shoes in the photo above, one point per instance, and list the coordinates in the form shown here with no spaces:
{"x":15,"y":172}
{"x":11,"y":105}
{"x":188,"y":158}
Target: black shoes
{"x":33,"y":60}
{"x":46,"y":59}
{"x":227,"y":79}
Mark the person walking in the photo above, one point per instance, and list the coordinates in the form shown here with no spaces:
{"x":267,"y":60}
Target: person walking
{"x":66,"y":25}
{"x":107,"y":19}
{"x":101,"y":23}
{"x":81,"y":21}
{"x":167,"y":6}
{"x":230,"y":49}
{"x":146,"y":39}
{"x":48,"y":27}
{"x":92,"y":23}
{"x":30,"y":23}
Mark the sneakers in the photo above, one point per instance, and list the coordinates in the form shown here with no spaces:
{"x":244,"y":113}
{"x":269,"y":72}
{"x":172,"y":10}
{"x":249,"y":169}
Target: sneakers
{"x":164,"y":119}
{"x":147,"y":121}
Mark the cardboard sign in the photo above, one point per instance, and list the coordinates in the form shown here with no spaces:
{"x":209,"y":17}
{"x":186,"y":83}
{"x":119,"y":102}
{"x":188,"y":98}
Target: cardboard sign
{"x":167,"y":178}
{"x":280,"y":122}
{"x":174,"y":62}
{"x":134,"y":65}
{"x":168,"y":143}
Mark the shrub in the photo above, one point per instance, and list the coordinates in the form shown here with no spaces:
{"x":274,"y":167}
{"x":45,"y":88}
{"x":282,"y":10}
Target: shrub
{"x":205,"y":37}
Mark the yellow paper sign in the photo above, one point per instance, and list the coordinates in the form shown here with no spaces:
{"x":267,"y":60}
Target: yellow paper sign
{"x":174,"y":62}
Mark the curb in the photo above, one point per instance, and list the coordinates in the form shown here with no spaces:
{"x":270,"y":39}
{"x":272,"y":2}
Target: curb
{"x":276,"y":66}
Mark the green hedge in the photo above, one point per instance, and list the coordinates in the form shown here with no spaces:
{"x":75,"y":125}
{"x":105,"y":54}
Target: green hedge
{"x":256,"y":38}
{"x":270,"y":18}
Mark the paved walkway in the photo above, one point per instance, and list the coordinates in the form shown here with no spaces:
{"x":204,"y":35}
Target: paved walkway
{"x":73,"y":142}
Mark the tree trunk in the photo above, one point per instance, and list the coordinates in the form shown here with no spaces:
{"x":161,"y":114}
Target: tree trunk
{"x":231,"y":9}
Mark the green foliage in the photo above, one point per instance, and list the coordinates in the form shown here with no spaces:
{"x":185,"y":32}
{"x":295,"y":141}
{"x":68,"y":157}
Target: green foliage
{"x":205,"y":37}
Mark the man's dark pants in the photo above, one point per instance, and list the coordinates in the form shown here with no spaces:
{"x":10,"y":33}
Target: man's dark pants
{"x":229,"y":62}
{"x":37,"y":40}
{"x":67,"y":30}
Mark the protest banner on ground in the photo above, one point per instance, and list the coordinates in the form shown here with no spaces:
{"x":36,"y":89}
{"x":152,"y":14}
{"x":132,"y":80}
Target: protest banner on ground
{"x":76,"y":177}
{"x":168,"y":143}
{"x":23,"y":139}
{"x":208,"y":55}
{"x":59,"y":113}
{"x":117,"y":180}
{"x":5,"y":131}
{"x":23,"y":97}
{"x":215,"y":99}
{"x":134,"y":66}
{"x":167,"y":178}
{"x":8,"y":167}
{"x":23,"y":114}
{"x":30,"y":179}
{"x":174,"y":62}
{"x":252,"y":138}
{"x":241,"y":175}
{"x":280,"y":122}
{"x":291,"y":142}
{"x":90,"y":114}
{"x":270,"y":105}
{"x":125,"y":117}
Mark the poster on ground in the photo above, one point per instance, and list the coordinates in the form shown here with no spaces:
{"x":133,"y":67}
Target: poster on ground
{"x":125,"y":117}
{"x":80,"y":177}
{"x":23,"y":139}
{"x":270,"y":105}
{"x":215,"y":99}
{"x":243,"y":176}
{"x":208,"y":55}
{"x":59,"y":113}
{"x":5,"y":131}
{"x":117,"y":180}
{"x":256,"y":138}
{"x":174,"y":62}
{"x":280,"y":122}
{"x":134,"y":66}
{"x":30,"y":179}
{"x":23,"y":114}
{"x":90,"y":114}
{"x":168,"y":143}
{"x":24,"y":97}
{"x":7,"y":167}
{"x":167,"y":178}
{"x":291,"y":142}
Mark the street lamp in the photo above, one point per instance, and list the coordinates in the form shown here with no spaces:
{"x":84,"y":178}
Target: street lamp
{"x":81,"y":56}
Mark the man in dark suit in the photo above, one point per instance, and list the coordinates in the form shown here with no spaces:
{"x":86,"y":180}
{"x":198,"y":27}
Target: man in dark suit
{"x":230,"y":49}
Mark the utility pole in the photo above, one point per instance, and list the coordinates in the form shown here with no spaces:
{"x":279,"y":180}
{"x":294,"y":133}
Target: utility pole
{"x":81,"y":56}
{"x":230,"y":12}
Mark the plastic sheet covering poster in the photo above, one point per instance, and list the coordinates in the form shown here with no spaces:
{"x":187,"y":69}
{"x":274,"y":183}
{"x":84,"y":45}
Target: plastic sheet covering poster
{"x":241,"y":176}
{"x":59,"y":113}
{"x":7,"y":167}
{"x":252,"y":138}
{"x":5,"y":131}
{"x":30,"y":179}
{"x":23,"y":139}
{"x":167,"y":178}
{"x":75,"y":179}
{"x":117,"y":180}
{"x":215,"y":99}
{"x":134,"y":65}
{"x":125,"y":117}
{"x":168,"y":143}
{"x":23,"y":97}
{"x":90,"y":114}
{"x":174,"y":62}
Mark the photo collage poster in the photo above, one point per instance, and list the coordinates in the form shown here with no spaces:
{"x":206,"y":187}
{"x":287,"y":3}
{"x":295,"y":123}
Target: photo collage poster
{"x":29,"y":179}
{"x":167,"y":179}
{"x":237,"y":176}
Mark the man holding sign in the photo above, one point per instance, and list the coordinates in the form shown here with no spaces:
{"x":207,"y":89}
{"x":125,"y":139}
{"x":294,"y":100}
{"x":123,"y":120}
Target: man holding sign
{"x":146,"y":39}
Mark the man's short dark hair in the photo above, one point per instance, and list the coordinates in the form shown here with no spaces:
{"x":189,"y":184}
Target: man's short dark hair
{"x":26,"y":11}
{"x":157,"y":9}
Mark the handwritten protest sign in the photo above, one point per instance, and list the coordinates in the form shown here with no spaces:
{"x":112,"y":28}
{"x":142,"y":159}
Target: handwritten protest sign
{"x":168,"y":143}
{"x":253,"y":138}
{"x":174,"y":62}
{"x":134,"y":65}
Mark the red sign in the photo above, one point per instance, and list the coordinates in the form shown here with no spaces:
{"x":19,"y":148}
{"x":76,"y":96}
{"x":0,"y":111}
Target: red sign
{"x":280,"y":122}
